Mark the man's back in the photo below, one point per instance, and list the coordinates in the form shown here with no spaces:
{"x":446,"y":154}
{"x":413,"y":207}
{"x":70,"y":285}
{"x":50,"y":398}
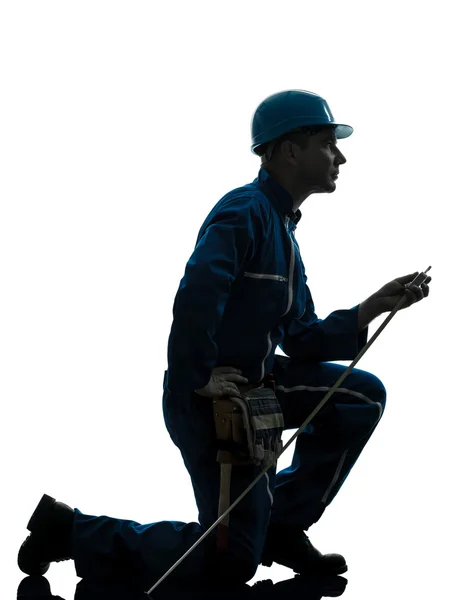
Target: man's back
{"x":244,"y":281}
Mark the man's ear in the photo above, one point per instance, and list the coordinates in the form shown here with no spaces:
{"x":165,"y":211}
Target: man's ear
{"x":292,"y":151}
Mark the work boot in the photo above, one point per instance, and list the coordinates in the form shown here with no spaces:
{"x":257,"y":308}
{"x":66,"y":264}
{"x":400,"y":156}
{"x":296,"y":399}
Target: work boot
{"x":51,"y":537}
{"x":293,"y":549}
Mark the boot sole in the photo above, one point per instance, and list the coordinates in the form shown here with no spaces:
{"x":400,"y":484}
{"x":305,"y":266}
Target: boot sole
{"x":323,"y":572}
{"x":309,"y":570}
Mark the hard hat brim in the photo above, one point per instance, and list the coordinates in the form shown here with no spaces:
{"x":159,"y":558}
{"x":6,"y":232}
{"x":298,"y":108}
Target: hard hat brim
{"x":343,"y":131}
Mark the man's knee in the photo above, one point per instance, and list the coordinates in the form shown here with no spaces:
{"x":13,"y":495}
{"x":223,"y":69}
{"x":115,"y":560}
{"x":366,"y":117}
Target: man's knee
{"x":373,"y":388}
{"x":357,"y":413}
{"x":243,"y":569}
{"x":376,"y":395}
{"x":228,"y":567}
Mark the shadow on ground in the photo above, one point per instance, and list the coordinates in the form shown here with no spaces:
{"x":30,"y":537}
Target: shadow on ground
{"x":297,"y":588}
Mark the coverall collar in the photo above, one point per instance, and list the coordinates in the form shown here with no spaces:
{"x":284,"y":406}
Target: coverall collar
{"x":279,"y":197}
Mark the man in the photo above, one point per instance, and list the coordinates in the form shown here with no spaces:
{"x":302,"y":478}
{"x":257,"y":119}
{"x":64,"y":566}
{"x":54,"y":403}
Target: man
{"x":244,"y":293}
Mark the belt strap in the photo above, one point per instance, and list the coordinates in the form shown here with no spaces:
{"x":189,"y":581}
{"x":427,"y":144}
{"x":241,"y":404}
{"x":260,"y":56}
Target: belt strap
{"x":223,"y":505}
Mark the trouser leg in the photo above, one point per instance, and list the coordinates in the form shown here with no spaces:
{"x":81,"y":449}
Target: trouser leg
{"x":107,"y":548}
{"x":191,"y":425}
{"x":327,"y":450}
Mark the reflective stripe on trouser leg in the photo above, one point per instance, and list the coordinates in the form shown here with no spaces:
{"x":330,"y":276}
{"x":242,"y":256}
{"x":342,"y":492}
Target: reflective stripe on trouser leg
{"x":323,"y":388}
{"x":335,"y":477}
{"x":270,"y":495}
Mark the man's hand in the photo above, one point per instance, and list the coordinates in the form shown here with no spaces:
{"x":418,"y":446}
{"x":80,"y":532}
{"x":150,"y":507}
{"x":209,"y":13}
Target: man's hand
{"x":390,"y":294}
{"x":223,"y":383}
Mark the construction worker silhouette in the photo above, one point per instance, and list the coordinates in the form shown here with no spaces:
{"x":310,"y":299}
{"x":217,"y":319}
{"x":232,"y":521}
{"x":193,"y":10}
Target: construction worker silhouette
{"x":244,"y":294}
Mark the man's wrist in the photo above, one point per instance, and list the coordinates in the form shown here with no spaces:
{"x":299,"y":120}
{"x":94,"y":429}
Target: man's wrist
{"x":369,"y":310}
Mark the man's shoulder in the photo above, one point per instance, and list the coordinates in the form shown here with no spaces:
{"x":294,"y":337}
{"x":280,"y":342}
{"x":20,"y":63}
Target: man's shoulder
{"x":247,"y":198}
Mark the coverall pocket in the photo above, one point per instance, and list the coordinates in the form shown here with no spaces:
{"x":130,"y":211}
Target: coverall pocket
{"x":265,"y":296}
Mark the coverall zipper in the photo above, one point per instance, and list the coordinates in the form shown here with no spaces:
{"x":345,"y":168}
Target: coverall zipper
{"x":289,"y":304}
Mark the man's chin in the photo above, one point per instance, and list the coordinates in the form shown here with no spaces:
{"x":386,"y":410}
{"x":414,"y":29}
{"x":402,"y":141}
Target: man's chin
{"x":332,"y":185}
{"x":327,"y":188}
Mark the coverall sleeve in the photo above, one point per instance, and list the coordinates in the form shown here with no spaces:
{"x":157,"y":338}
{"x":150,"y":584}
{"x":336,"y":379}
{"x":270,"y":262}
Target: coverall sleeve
{"x":334,"y":338}
{"x":223,"y":245}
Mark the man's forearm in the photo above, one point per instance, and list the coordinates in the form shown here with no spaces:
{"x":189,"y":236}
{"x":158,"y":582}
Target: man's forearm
{"x":368,"y":311}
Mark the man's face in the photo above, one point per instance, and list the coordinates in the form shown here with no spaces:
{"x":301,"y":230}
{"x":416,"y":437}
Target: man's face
{"x":317,"y":165}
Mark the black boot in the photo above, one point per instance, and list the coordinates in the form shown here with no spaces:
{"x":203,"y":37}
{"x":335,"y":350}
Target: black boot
{"x":51,"y":537}
{"x":293,"y":549}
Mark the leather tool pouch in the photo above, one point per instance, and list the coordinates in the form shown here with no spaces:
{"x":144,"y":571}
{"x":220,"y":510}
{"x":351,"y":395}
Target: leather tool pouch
{"x":232,"y":438}
{"x":231,"y":435}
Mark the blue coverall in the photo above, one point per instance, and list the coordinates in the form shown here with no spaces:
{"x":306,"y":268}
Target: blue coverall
{"x":244,"y":293}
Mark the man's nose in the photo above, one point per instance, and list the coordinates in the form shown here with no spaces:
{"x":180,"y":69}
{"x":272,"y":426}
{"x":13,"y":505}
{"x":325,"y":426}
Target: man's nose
{"x":341,"y":159}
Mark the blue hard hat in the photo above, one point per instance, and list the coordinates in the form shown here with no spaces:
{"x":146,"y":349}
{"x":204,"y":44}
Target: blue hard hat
{"x":285,"y":111}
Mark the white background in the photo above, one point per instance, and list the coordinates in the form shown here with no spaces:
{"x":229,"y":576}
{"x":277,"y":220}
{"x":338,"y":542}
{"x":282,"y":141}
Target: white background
{"x":122,"y":124}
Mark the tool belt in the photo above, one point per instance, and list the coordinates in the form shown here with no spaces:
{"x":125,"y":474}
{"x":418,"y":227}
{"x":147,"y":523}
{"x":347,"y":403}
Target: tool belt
{"x":249,"y":430}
